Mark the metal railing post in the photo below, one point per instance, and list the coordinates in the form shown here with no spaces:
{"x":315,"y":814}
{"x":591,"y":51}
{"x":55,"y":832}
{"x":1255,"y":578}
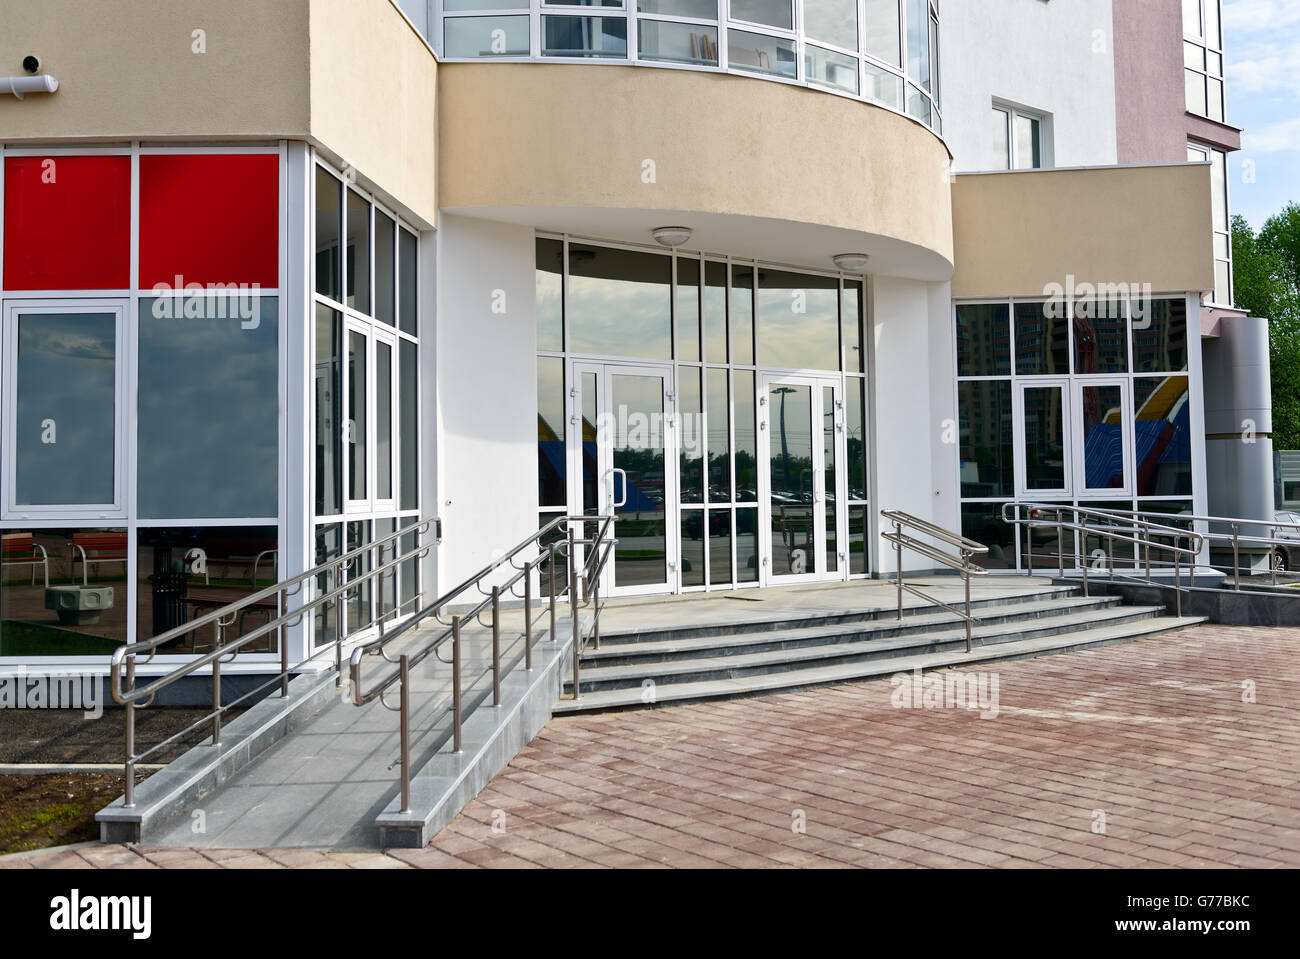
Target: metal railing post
{"x":1029,"y":549}
{"x":129,"y":800}
{"x":340,"y":604}
{"x":965,"y":575}
{"x":898,"y":565}
{"x":496,"y":645}
{"x":553,"y":636}
{"x":573,"y":612}
{"x":1110,"y":553}
{"x":1086,"y":560}
{"x":405,"y":667}
{"x":1060,"y":544}
{"x":595,"y":613}
{"x":1178,"y":582}
{"x":216,"y":685}
{"x":528,"y":615}
{"x":455,"y":682}
{"x":283,"y":634}
{"x":1236,"y":558}
{"x":1147,"y":552}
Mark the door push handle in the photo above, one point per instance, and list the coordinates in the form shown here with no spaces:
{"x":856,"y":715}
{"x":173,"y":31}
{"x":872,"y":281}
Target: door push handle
{"x":623,"y":502}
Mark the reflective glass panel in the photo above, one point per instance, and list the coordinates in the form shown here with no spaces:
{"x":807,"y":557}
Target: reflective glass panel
{"x":690,"y":407}
{"x":883,"y":30}
{"x":385,"y":269}
{"x":637,"y":439}
{"x":918,"y":42}
{"x":1042,"y":340}
{"x":356,"y":426}
{"x":620,"y":302}
{"x":719,"y":546}
{"x":746,"y":439}
{"x":798,"y":321}
{"x":1100,"y":337}
{"x":383,"y":421}
{"x":857,"y":545}
{"x":760,"y":53}
{"x":832,"y":69}
{"x":550,"y":295}
{"x":584,"y":37}
{"x":197,"y":356}
{"x":719,"y":437}
{"x":699,"y":9}
{"x":773,"y":13}
{"x":1162,"y":435}
{"x":692,"y":547}
{"x":485,"y":36}
{"x":791,"y":473}
{"x":1103,"y":437}
{"x":409,"y":376}
{"x":983,"y":523}
{"x":714,"y":307}
{"x":856,"y":437}
{"x":550,"y":432}
{"x":329,"y":411}
{"x":832,"y":21}
{"x":408,"y":303}
{"x":747,"y":545}
{"x":742,"y":315}
{"x":688,"y":309}
{"x":855,"y":360}
{"x":1044,"y":438}
{"x":984,"y":340}
{"x":358,"y":253}
{"x":329,"y":228}
{"x":677,"y":42}
{"x":987,"y":463}
{"x":66,"y":441}
{"x":883,"y":86}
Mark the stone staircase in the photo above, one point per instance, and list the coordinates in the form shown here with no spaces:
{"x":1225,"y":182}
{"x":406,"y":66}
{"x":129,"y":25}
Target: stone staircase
{"x":714,"y":660}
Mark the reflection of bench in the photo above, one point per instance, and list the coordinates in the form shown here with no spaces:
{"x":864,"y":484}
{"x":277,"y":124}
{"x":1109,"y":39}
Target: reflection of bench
{"x":250,"y":552}
{"x":97,"y":548}
{"x":19,"y":549}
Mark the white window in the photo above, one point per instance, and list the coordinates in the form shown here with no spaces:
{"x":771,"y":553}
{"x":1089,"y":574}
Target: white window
{"x":1018,"y":141}
{"x":1218,"y":160}
{"x":1203,"y":58}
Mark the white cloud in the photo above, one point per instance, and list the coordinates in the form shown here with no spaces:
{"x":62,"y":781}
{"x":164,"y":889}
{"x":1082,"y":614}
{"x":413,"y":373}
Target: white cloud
{"x":1274,"y":138}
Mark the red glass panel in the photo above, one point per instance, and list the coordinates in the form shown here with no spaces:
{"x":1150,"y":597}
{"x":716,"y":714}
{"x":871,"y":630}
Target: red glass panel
{"x":67,"y":223}
{"x":210,"y":219}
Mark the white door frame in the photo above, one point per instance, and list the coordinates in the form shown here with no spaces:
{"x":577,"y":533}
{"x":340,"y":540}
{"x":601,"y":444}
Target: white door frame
{"x":605,"y":371}
{"x":1125,"y":384}
{"x":1023,"y":492}
{"x":816,"y":382}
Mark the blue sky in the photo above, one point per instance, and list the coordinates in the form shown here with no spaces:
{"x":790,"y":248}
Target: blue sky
{"x":1262,"y":43}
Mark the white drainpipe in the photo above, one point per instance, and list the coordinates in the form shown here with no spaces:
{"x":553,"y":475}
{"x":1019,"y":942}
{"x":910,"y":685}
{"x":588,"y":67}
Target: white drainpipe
{"x":21,"y":86}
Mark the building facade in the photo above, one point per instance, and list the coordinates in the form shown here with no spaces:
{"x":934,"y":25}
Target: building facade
{"x":280,"y":278}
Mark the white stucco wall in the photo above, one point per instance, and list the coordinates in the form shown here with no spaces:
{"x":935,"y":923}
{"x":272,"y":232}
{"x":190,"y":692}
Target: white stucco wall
{"x":913,"y":469}
{"x":487,"y":393}
{"x":1055,"y":58}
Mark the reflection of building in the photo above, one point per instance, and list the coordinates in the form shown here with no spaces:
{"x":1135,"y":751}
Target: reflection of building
{"x":464,"y":263}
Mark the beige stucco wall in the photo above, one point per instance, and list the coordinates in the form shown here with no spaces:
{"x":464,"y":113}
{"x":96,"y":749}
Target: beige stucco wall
{"x":374,"y":98}
{"x":1015,"y":233}
{"x":556,"y":135}
{"x":127,"y":68}
{"x":351,"y":76}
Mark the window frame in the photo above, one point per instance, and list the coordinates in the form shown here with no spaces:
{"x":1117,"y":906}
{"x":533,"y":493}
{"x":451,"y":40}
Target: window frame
{"x":123,"y":447}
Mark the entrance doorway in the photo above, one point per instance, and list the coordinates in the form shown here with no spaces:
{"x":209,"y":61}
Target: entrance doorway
{"x":801,"y":437}
{"x":622,"y":446}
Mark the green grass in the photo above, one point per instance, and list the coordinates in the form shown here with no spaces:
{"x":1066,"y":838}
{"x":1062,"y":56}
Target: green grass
{"x":28,"y":831}
{"x":30,"y":639}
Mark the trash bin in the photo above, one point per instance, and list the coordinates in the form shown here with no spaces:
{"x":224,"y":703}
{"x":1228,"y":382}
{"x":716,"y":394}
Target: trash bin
{"x":169,"y":592}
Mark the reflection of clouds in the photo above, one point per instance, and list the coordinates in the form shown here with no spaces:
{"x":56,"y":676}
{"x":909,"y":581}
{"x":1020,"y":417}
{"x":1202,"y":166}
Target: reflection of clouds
{"x":209,"y":415}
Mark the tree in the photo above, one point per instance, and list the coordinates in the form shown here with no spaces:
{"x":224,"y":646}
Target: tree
{"x":1266,"y":273}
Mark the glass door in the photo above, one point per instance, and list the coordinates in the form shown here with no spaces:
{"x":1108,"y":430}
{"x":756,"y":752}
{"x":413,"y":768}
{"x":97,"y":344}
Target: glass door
{"x":1043,"y":435}
{"x":1104,"y":423}
{"x":801,"y":438}
{"x":622,"y":438}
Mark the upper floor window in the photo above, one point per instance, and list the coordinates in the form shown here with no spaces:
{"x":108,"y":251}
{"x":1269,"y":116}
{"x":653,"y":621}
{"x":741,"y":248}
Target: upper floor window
{"x":1017,"y":139}
{"x":1203,"y":58}
{"x":886,"y":51}
{"x":1218,"y":160}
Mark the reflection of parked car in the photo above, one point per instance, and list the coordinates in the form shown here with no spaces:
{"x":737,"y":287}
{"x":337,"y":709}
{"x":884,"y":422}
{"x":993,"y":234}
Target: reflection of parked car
{"x":1287,"y":558}
{"x":719,"y":523}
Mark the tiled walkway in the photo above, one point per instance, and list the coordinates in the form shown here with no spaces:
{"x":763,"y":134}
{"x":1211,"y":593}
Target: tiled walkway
{"x":1142,"y":754}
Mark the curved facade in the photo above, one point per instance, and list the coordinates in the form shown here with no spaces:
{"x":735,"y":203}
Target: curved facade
{"x":885,"y":51}
{"x":784,"y":174}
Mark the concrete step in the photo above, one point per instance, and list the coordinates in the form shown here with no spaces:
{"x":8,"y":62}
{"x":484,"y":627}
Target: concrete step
{"x":657,"y":651}
{"x":742,"y":621}
{"x":822,"y":674}
{"x":837,"y":650}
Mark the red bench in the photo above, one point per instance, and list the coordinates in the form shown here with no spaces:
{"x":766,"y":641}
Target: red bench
{"x":20,"y":549}
{"x":97,"y":548}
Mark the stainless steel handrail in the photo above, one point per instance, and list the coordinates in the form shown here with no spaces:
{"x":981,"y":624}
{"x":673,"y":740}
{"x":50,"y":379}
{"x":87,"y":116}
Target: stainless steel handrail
{"x":962,"y":562}
{"x":124,"y":661}
{"x":1235,"y":537}
{"x":588,"y":576}
{"x":1143,"y":534}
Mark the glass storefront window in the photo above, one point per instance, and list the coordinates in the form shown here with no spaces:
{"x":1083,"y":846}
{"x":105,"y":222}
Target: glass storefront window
{"x":1042,"y":341}
{"x":718,"y":441}
{"x":329,"y":411}
{"x":984,"y":340}
{"x":485,"y":36}
{"x":832,"y":21}
{"x":688,"y":309}
{"x":550,"y":295}
{"x":831,"y":69}
{"x":551,"y":462}
{"x":987,"y":460}
{"x":197,"y":355}
{"x":798,"y":321}
{"x":1160,"y":336}
{"x":1162,"y":435}
{"x":772,"y":13}
{"x":358,"y":253}
{"x":329,"y":231}
{"x":699,"y":9}
{"x":1100,"y":338}
{"x":620,"y":302}
{"x":690,"y":409}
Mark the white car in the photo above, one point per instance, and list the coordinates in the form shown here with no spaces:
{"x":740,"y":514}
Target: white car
{"x":1286,"y":558}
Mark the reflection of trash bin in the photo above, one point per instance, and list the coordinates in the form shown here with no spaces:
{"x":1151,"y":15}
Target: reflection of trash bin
{"x":169,"y":592}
